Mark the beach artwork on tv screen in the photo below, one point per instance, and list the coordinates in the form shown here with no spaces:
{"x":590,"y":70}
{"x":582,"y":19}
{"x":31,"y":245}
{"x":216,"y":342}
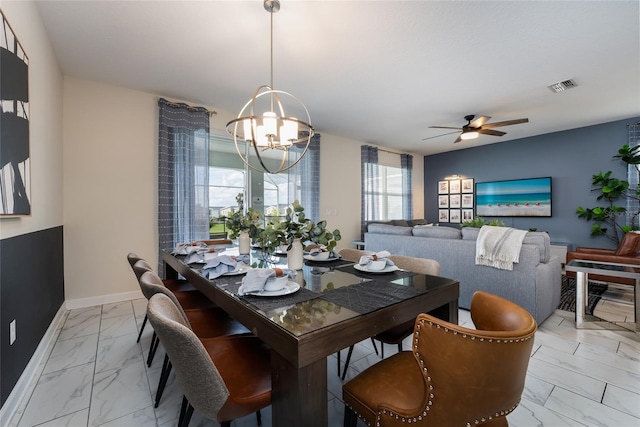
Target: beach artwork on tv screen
{"x":518,"y":197}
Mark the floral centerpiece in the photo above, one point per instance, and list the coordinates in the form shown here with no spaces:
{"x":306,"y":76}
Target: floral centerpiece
{"x":324,"y":239}
{"x":238,"y":220}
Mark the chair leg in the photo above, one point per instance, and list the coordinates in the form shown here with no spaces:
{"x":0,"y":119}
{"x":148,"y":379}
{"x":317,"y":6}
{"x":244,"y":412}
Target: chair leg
{"x":186,"y":411}
{"x":400,"y":347}
{"x":164,"y":376}
{"x":155,"y":341}
{"x":225,"y":424}
{"x":382,"y":350}
{"x":144,"y":323}
{"x":346,"y":363}
{"x":375,"y":348}
{"x":259,"y":417}
{"x":350,"y":417}
{"x":339,"y":362}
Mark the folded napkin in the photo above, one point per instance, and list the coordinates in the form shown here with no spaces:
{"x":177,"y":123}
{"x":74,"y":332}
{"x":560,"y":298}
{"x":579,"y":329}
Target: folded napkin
{"x":201,"y":255}
{"x":256,"y":278}
{"x":318,"y":251}
{"x":378,"y":256}
{"x":222,"y":264}
{"x":188,"y":248}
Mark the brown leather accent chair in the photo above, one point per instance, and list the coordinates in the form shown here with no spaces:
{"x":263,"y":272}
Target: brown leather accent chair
{"x":628,"y":252}
{"x":454,"y":376}
{"x":223,"y":378}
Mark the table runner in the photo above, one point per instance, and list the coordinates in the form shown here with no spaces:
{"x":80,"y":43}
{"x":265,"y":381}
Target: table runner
{"x":370,"y":296}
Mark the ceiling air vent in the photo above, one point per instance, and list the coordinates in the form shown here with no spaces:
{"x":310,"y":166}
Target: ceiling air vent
{"x":563,"y":85}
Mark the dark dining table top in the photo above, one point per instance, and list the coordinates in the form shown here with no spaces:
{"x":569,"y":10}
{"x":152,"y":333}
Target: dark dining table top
{"x":330,"y":292}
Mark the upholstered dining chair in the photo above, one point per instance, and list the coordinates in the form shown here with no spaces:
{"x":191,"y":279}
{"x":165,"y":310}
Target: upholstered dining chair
{"x":174,"y":285}
{"x":223,"y":378}
{"x":453,"y":376}
{"x":397,"y":334}
{"x":206,"y":322}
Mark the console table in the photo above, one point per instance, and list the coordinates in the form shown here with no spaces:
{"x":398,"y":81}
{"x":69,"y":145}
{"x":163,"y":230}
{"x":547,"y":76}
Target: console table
{"x":583,"y":269}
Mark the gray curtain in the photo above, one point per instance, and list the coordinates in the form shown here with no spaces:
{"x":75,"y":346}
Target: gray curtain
{"x":183,"y":174}
{"x":406,"y":163}
{"x":369,"y":185}
{"x":304,"y":179}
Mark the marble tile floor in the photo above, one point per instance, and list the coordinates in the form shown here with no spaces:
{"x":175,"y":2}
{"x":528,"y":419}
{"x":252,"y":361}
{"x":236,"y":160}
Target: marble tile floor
{"x":95,"y":375}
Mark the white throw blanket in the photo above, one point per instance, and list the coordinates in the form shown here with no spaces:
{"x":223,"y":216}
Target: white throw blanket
{"x":499,"y":247}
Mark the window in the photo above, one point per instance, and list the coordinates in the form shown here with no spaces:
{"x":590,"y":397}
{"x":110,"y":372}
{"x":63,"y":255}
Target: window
{"x":269,"y":194}
{"x":390,"y":206}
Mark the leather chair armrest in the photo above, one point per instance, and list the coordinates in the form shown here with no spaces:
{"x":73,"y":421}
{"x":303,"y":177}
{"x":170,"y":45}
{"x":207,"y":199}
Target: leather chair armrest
{"x":595,"y":251}
{"x":602,"y":257}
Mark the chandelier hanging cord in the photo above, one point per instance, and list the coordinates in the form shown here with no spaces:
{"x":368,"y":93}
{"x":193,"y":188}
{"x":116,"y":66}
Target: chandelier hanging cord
{"x":270,"y":131}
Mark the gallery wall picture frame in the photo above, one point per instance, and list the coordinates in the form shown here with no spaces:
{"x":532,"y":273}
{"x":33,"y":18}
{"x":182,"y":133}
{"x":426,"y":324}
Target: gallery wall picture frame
{"x":454,"y":200}
{"x":443,"y":187}
{"x":15,"y":164}
{"x":467,"y":214}
{"x":443,"y":215}
{"x":467,"y":185}
{"x":454,"y":186}
{"x":467,"y":201}
{"x":454,"y":216}
{"x":443,"y":201}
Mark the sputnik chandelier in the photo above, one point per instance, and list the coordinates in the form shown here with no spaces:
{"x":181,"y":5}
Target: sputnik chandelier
{"x":264,"y":129}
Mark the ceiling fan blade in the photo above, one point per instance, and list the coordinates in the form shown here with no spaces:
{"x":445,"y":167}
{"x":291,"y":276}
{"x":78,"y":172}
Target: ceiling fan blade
{"x":445,"y":127}
{"x":479,"y":121}
{"x":457,"y":140}
{"x":505,"y":123}
{"x":438,"y":136}
{"x":491,"y":132}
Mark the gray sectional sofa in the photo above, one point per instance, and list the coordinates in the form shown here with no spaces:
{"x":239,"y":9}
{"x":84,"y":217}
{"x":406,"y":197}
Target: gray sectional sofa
{"x":534,"y":282}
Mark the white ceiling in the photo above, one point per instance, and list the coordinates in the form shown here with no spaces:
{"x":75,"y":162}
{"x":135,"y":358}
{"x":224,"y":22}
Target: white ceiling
{"x":380,"y":72}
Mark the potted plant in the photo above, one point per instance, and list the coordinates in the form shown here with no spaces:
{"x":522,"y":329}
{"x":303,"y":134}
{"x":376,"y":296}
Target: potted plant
{"x":325,"y":239}
{"x":478,"y":222}
{"x":242,"y":225}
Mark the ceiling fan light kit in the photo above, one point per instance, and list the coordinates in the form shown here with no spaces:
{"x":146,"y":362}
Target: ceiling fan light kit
{"x":476,"y":127}
{"x":263,"y":128}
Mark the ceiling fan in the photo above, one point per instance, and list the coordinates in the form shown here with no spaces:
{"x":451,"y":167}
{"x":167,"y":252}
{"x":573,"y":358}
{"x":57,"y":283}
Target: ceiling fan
{"x":476,"y":127}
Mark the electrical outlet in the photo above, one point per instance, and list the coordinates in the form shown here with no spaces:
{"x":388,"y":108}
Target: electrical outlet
{"x":12,"y":332}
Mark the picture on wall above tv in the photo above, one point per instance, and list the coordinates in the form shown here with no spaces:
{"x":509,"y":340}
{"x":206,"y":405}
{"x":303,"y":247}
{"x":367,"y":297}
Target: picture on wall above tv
{"x":516,"y":197}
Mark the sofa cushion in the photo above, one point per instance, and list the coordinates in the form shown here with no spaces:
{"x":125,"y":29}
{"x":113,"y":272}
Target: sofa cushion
{"x":542,"y":241}
{"x":414,"y":222}
{"x":400,"y":222}
{"x":470,"y":233}
{"x":389,"y":229}
{"x":630,"y":245}
{"x":437,"y":232}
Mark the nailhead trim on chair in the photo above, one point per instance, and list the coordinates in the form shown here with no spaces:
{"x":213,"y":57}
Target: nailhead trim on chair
{"x":428,"y":378}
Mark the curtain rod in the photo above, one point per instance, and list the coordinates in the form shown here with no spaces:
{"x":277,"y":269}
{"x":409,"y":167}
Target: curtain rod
{"x":391,"y":152}
{"x":189,"y":107}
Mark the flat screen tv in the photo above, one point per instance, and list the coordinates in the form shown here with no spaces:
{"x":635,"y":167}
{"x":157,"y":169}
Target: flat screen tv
{"x":516,"y":197}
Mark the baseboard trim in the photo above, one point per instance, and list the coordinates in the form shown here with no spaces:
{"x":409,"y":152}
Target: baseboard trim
{"x":32,"y":370}
{"x":72,"y":304}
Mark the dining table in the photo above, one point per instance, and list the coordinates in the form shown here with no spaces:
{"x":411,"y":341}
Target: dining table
{"x":327,"y":307}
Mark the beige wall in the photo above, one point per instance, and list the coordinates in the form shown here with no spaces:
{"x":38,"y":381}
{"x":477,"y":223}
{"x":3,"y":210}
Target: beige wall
{"x":110,"y":138}
{"x":45,"y":126}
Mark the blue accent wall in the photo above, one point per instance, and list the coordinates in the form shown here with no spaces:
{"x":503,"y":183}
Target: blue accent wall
{"x":31,"y":292}
{"x":570,"y":157}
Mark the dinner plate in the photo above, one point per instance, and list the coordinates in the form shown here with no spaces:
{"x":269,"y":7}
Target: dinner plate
{"x":387,"y":269}
{"x":241,"y":268}
{"x":289,"y":288}
{"x":315,"y":259}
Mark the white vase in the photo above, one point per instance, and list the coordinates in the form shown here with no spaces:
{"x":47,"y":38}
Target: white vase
{"x":294,"y":255}
{"x":244,"y":243}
